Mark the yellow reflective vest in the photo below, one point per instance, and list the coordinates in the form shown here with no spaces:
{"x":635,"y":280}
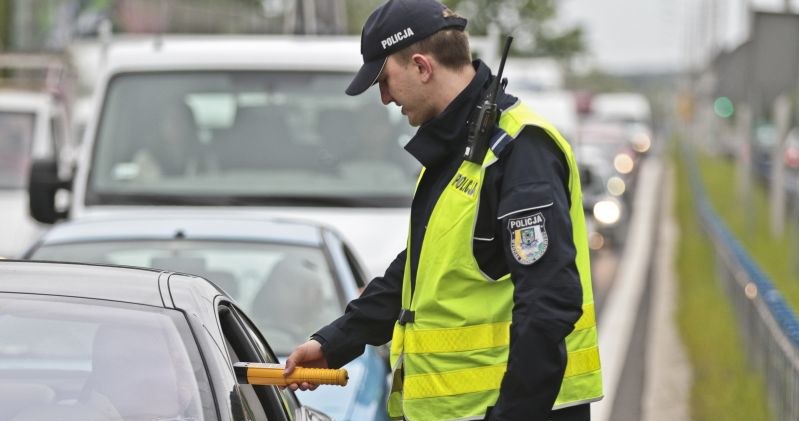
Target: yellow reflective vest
{"x":448,"y":362}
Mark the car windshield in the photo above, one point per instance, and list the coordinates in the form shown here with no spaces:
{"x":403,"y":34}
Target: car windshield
{"x":225,"y":137}
{"x":15,"y":143}
{"x":288,"y":291}
{"x":64,"y":358}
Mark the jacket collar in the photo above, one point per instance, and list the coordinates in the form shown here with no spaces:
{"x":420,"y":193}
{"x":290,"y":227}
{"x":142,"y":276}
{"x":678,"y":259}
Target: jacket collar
{"x":444,"y":136}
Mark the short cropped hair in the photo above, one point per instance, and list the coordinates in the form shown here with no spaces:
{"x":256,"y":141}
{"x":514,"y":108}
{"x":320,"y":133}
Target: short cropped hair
{"x":449,"y":46}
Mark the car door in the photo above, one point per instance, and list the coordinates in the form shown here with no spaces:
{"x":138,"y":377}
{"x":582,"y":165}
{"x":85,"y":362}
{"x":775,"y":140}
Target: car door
{"x":245,"y":344}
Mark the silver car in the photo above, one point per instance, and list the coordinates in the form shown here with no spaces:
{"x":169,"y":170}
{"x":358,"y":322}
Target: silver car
{"x":291,"y":277}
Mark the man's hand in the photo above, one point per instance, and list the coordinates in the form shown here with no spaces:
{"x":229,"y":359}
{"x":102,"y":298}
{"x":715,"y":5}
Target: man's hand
{"x":308,"y":354}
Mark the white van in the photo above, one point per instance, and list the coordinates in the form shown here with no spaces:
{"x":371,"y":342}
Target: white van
{"x":249,"y":124}
{"x":33,"y":126}
{"x":626,"y":107}
{"x":557,"y":106}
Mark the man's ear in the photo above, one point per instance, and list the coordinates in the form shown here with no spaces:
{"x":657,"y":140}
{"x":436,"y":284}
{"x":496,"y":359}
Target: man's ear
{"x":424,"y":66}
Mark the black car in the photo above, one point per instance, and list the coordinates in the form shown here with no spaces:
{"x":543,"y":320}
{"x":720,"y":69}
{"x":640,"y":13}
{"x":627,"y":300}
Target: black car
{"x":151,"y":345}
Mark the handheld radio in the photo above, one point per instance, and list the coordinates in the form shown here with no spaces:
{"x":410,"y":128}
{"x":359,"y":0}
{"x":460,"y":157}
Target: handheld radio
{"x":485,"y":116}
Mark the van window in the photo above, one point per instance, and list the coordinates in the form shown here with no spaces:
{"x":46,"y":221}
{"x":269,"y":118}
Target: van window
{"x":226,"y":137}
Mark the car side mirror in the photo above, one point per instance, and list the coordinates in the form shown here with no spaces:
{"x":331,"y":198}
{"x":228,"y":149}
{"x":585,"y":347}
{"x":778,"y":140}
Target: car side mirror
{"x":43,"y":184}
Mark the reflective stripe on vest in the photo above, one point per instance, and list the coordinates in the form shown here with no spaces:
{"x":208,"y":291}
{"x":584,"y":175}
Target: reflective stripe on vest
{"x":449,"y":362}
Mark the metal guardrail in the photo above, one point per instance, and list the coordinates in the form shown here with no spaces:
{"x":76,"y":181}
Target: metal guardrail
{"x":768,"y":325}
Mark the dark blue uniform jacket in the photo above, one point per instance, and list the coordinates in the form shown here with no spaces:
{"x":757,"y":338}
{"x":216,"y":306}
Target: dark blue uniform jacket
{"x":531,"y":172}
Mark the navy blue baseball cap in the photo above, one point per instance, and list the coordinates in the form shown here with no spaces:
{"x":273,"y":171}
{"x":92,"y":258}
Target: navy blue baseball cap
{"x":393,"y":26}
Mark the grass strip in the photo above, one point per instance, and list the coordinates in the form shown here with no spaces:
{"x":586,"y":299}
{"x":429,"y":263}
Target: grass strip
{"x":725,"y":387}
{"x":748,"y":220}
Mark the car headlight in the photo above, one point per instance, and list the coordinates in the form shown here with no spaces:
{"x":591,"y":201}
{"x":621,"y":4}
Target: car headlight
{"x":595,"y":240}
{"x":607,"y":212}
{"x":623,"y":163}
{"x":642,"y":142}
{"x":616,"y":186}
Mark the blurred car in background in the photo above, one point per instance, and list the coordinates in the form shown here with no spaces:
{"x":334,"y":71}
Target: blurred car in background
{"x":559,"y":107}
{"x":84,"y":342}
{"x":291,"y":278}
{"x":245,"y":123}
{"x":604,"y":209}
{"x":626,"y":107}
{"x":630,"y":110}
{"x":539,"y":74}
{"x":612,"y":143}
{"x":33,"y":125}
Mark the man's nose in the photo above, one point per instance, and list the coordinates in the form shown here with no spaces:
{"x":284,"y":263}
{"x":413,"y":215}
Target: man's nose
{"x":384,"y":95}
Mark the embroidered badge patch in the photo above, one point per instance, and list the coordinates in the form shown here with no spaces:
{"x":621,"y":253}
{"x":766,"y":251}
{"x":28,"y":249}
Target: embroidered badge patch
{"x":528,"y":238}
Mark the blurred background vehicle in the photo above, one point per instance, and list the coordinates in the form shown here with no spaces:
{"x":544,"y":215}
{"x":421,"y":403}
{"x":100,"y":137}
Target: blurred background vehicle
{"x":625,"y":107}
{"x":559,"y":107}
{"x":244,"y":122}
{"x":604,"y":210}
{"x":33,"y":125}
{"x":609,"y":142}
{"x":291,"y":278}
{"x":534,"y":74}
{"x":108,"y":343}
{"x":630,"y":110}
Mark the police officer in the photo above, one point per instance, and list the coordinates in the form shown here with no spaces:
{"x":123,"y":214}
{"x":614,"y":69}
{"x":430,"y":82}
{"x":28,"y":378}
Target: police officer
{"x":489,"y":308}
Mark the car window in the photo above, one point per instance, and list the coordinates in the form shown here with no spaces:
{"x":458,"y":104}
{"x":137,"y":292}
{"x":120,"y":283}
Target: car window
{"x":17,"y":136}
{"x":272,"y":283}
{"x":262,"y":402}
{"x":355,"y":267}
{"x":262,"y":136}
{"x":288,"y":399}
{"x":76,"y":358}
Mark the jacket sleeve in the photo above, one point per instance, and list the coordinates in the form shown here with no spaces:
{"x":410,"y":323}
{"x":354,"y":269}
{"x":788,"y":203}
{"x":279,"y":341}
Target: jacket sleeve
{"x":536,"y":232}
{"x":368,"y":319}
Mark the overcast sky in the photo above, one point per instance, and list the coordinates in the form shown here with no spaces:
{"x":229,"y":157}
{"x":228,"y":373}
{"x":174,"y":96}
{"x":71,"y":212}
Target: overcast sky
{"x":657,"y":35}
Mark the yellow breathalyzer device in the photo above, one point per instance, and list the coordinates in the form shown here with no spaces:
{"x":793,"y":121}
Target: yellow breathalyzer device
{"x":273,"y":374}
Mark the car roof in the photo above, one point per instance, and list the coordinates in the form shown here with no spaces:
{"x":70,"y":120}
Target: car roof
{"x":125,"y":284}
{"x":622,"y":104}
{"x":239,"y":52}
{"x":189,"y":225}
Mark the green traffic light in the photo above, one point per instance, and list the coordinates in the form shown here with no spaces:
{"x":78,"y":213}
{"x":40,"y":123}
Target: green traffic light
{"x":723,"y":107}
